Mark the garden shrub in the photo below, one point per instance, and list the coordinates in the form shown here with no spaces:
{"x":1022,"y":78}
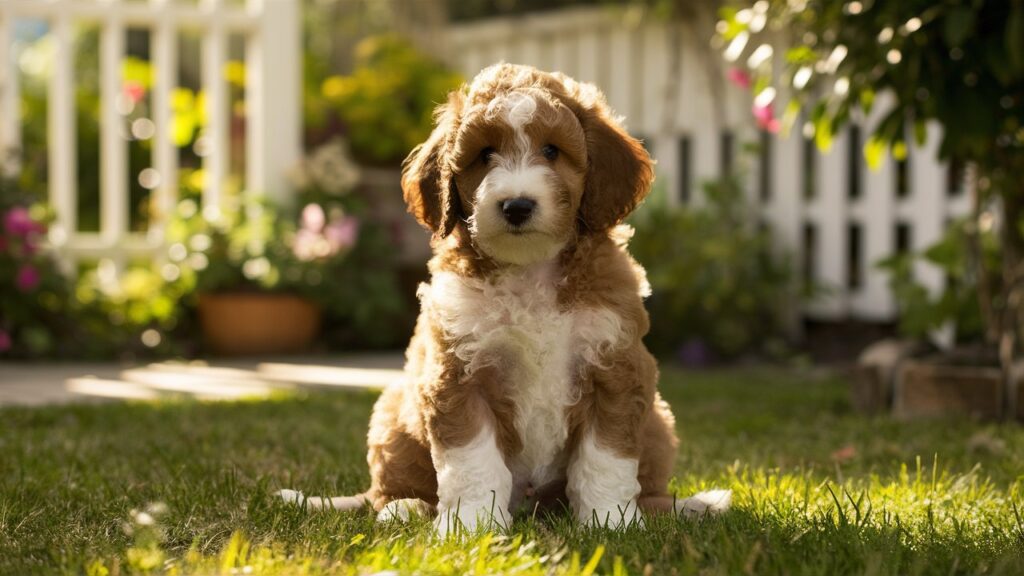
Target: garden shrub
{"x":720,"y":288}
{"x":33,"y":294}
{"x":386,"y":104}
{"x":958,"y":304}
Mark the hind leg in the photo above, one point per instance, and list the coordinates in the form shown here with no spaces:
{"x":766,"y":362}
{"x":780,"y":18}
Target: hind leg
{"x":400,"y":465}
{"x":656,"y":468}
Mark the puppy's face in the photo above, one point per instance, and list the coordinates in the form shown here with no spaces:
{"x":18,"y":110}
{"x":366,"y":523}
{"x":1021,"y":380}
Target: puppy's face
{"x":525,"y":161}
{"x":519,"y":167}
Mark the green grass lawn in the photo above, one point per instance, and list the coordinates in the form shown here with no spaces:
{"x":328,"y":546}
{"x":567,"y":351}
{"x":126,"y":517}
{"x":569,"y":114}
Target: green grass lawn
{"x":818,"y":490}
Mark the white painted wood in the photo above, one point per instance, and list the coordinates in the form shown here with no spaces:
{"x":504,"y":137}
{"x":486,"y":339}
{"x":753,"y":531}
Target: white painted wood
{"x":273,"y":99}
{"x":876,"y":210}
{"x":216,"y":145}
{"x":114,"y":201}
{"x":274,"y":143}
{"x":620,"y":64}
{"x":10,"y":116}
{"x":565,"y":53}
{"x":928,"y":198}
{"x":785,"y":216}
{"x":164,"y":41}
{"x":589,"y":49}
{"x":133,"y":13}
{"x":831,"y":221}
{"x":62,"y":158}
{"x":650,"y":81}
{"x":472,"y":60}
{"x":530,"y":51}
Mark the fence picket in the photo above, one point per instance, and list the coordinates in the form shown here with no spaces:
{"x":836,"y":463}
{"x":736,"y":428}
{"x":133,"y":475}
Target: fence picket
{"x":164,"y":40}
{"x":10,"y":121}
{"x":62,"y":162}
{"x":114,"y":201}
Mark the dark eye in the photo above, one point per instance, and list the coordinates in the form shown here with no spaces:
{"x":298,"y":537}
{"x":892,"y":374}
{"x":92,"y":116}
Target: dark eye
{"x":486,"y":154}
{"x":549,"y":151}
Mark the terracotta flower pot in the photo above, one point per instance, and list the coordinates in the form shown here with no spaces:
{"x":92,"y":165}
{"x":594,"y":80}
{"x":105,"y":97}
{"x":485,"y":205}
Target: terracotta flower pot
{"x":240,"y":324}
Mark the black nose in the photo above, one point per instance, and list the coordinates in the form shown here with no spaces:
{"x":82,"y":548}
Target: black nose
{"x":517,"y":210}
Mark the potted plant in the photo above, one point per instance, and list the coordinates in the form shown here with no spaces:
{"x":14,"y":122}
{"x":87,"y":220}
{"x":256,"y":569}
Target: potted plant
{"x":268,"y":278}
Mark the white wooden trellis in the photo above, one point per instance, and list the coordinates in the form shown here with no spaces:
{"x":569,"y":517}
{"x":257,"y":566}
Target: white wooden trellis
{"x":273,"y":88}
{"x":628,"y":60}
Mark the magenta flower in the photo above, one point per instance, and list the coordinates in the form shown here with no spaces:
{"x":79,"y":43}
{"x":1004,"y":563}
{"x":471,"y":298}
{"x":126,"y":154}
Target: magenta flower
{"x":766,"y":119}
{"x":18,"y":222}
{"x":739,"y":77}
{"x":27,"y":278}
{"x":5,"y":341}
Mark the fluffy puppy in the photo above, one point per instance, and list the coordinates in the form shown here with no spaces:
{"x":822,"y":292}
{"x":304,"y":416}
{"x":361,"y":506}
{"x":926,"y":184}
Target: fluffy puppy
{"x":527,"y":382}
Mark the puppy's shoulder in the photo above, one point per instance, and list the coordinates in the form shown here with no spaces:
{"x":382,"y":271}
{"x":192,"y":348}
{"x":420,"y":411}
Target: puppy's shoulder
{"x":600,"y":270}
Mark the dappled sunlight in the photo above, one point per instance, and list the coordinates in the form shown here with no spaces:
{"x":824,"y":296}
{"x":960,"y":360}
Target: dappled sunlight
{"x":199,"y":385}
{"x":329,"y":376}
{"x":110,"y":389}
{"x":242,"y":379}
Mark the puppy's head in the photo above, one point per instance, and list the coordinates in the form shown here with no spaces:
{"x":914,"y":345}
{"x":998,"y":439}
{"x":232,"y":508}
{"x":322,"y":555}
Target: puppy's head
{"x":525,"y":160}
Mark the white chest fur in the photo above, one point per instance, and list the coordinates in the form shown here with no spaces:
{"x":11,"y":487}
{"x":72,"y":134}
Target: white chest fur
{"x":513,"y":320}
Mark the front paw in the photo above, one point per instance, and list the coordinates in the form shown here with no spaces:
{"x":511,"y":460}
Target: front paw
{"x":464,"y":519}
{"x":615,"y":517}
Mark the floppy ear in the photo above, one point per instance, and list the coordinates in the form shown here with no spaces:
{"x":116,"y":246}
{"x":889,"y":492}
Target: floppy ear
{"x":619,"y":170}
{"x":427,"y":185}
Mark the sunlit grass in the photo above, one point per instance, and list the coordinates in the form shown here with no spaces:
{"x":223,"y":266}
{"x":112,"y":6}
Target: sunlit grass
{"x":818,"y":490}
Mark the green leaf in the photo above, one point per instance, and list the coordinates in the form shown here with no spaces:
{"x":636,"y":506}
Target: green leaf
{"x":874,"y":152}
{"x":899,"y":150}
{"x":959,"y":24}
{"x":823,"y":133}
{"x":801,"y":55}
{"x":867,"y":99}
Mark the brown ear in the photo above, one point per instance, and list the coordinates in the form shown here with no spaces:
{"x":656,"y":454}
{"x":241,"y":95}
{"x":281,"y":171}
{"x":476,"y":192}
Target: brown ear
{"x":427,"y":185}
{"x":619,"y":171}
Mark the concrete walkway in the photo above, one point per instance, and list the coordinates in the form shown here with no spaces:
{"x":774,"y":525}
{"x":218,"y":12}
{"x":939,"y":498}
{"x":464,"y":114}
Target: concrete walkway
{"x":37,"y":384}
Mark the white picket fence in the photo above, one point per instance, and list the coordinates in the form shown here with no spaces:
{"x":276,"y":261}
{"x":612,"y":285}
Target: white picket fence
{"x":834,"y":235}
{"x":272,"y":99}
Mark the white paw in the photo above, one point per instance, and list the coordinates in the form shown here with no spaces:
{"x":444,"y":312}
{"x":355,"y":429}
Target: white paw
{"x":710,"y":503}
{"x":614,"y":517}
{"x":468,"y":519}
{"x":403,"y":509}
{"x":291,"y":496}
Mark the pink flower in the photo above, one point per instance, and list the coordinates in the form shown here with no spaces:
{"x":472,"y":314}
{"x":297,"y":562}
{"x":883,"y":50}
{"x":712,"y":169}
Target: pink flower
{"x":342,"y":233}
{"x":27,"y":279}
{"x":134,"y":91}
{"x":5,"y":341}
{"x":313,"y":217}
{"x":739,"y":77}
{"x":766,"y":119}
{"x":18,"y":222}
